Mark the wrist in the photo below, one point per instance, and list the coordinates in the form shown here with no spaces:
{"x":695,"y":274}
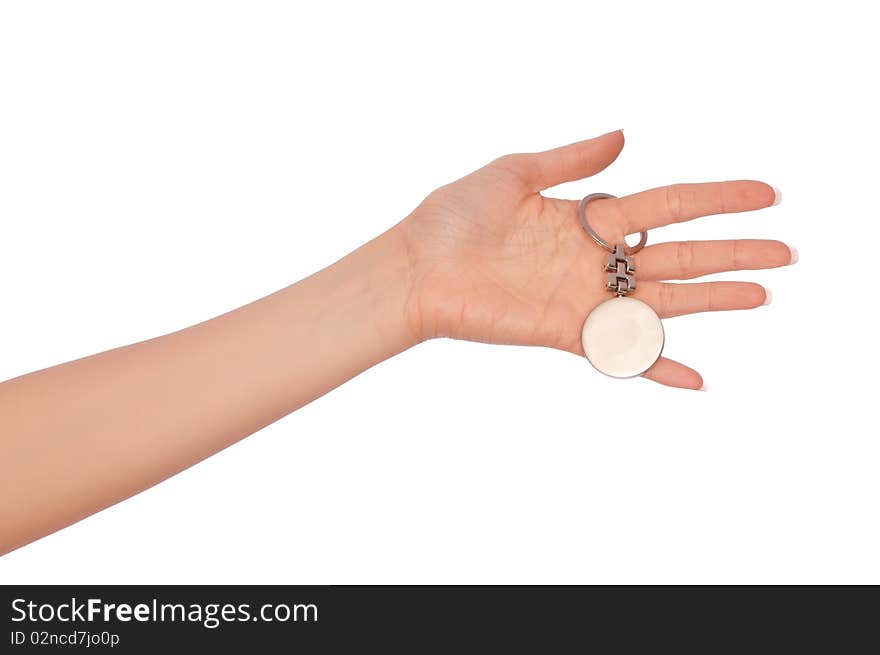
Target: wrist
{"x":417,"y":300}
{"x":381,"y":275}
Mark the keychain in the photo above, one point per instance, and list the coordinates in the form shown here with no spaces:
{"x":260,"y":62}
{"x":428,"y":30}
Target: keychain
{"x":622,"y":336}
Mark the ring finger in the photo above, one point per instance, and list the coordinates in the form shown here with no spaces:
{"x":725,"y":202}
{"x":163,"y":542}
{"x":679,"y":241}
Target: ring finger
{"x":683,"y":260}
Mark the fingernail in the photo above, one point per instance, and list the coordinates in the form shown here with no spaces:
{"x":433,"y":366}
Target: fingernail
{"x":704,"y":387}
{"x":768,"y":296}
{"x":794,"y":256}
{"x":778,"y":197}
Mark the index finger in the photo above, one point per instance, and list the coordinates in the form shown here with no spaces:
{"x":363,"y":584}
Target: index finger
{"x":683,"y":202}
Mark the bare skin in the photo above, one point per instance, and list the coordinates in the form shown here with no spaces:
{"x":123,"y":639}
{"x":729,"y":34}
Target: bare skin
{"x":486,"y":258}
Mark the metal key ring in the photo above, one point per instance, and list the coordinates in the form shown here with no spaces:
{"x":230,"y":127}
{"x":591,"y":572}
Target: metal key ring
{"x":583,"y":216}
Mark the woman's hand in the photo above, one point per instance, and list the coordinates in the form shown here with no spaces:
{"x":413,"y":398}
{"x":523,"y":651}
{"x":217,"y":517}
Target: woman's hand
{"x":493,"y":260}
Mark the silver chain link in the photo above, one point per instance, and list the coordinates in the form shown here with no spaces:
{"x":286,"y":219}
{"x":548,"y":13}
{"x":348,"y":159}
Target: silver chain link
{"x":621,"y":271}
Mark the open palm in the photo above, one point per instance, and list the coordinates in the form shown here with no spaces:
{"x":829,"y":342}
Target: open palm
{"x":493,"y":260}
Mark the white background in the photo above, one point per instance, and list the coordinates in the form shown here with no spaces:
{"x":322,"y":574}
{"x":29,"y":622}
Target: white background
{"x":163,"y":162}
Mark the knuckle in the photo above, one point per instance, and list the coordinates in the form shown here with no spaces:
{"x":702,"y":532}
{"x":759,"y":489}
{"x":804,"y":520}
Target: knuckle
{"x":684,"y":257}
{"x":518,"y":163}
{"x":726,"y":204}
{"x":612,"y":222}
{"x":736,"y":254}
{"x":505,"y":161}
{"x":520,"y":166}
{"x":672,"y":200}
{"x":667,"y":297}
{"x":711,"y":301}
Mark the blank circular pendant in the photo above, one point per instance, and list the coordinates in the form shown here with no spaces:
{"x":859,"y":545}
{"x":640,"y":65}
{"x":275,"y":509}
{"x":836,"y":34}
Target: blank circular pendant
{"x":622,"y":337}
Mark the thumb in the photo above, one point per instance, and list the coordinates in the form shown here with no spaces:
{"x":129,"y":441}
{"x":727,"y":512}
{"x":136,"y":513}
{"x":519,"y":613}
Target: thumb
{"x":542,"y":170}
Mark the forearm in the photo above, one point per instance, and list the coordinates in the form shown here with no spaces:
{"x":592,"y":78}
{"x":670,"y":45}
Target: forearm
{"x":78,"y":437}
